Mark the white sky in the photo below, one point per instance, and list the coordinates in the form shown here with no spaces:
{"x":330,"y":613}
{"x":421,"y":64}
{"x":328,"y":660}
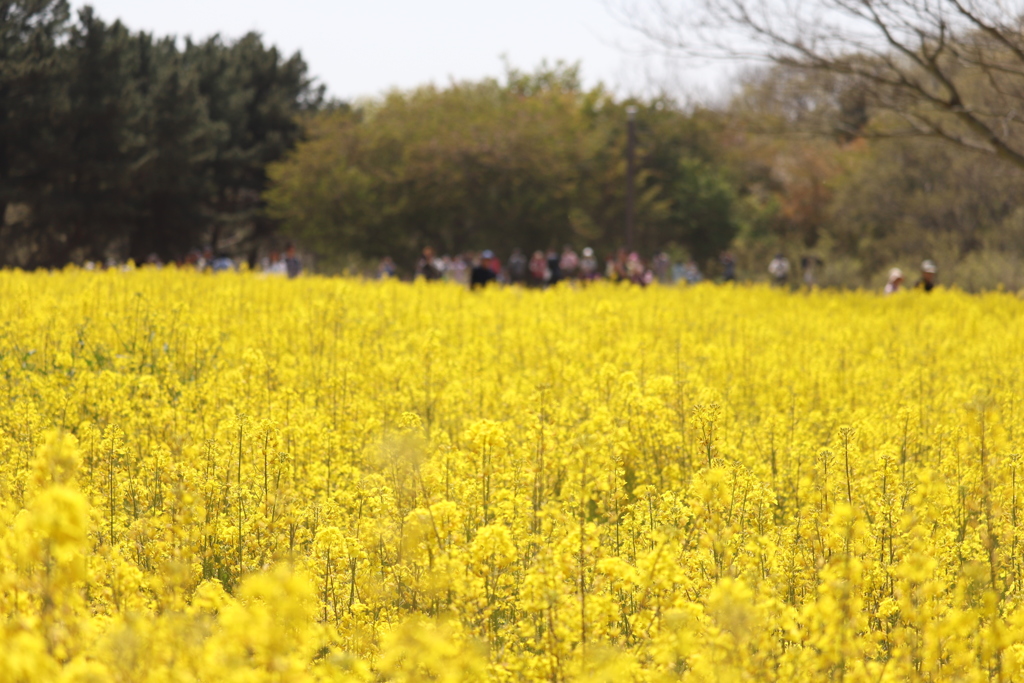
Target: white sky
{"x":361,"y":49}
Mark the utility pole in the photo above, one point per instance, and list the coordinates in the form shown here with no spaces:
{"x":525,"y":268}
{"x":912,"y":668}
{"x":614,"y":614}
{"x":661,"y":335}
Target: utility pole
{"x":630,"y":173}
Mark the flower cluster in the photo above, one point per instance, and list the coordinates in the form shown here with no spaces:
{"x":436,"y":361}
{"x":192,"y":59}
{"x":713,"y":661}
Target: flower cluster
{"x":235,"y":478}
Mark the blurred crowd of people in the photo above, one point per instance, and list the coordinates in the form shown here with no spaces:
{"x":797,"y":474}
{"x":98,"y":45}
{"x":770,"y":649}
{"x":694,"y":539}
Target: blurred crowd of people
{"x":287,"y":263}
{"x":543,"y":268}
{"x":546,"y":268}
{"x":274,"y":263}
{"x":926,"y":281}
{"x":779,"y":270}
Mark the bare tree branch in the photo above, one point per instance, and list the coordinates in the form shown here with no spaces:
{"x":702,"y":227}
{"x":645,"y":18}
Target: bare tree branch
{"x":949,"y":69}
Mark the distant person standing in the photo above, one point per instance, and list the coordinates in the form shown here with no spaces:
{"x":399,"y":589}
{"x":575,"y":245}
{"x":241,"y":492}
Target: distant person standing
{"x":569,"y":263}
{"x":517,"y":267}
{"x":728,"y":262}
{"x":661,"y":265}
{"x":691,"y":272}
{"x":895,"y":283}
{"x":291,"y":261}
{"x":222,"y":263}
{"x":555,"y":273}
{"x":779,"y":270}
{"x":810,"y":265}
{"x":635,"y":270}
{"x":456,"y":269}
{"x":540,"y":275}
{"x":491,"y":262}
{"x":429,"y":266}
{"x":274,"y":265}
{"x":588,"y":265}
{"x":386,"y":269}
{"x":481,"y":273}
{"x":927,"y":281}
{"x":615,"y":267}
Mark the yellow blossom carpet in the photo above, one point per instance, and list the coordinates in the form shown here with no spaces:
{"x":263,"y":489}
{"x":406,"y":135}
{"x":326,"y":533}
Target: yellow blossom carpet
{"x":236,"y":478}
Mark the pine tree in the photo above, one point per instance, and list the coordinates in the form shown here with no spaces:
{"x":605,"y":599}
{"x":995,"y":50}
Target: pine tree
{"x":30,"y":91}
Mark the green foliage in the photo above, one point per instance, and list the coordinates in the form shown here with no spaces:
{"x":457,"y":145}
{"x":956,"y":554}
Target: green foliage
{"x":702,"y":207}
{"x":30,"y":85}
{"x":119,"y":144}
{"x":901,"y":201}
{"x":116,"y":143}
{"x":91,"y":168}
{"x":472,"y":166}
{"x":534,"y":162}
{"x":172,"y":181}
{"x":255,"y":97}
{"x":811,"y":183}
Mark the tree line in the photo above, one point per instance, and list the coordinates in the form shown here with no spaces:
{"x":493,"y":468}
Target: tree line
{"x":116,"y":143}
{"x":793,"y":161}
{"x":876,"y":132}
{"x":533,"y":161}
{"x":863,"y":158}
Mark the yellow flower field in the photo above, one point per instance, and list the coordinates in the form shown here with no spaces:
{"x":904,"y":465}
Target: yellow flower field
{"x":235,"y":478}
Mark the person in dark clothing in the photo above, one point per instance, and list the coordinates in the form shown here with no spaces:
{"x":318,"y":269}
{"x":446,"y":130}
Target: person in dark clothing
{"x":427,"y":266}
{"x":728,"y":262}
{"x":292,"y":264}
{"x":553,"y":267}
{"x":480,"y":275}
{"x":927,"y":281}
{"x":491,"y":262}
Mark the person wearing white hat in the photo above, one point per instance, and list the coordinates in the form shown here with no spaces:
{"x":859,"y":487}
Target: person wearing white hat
{"x":588,"y":265}
{"x":895,"y":283}
{"x":927,"y":281}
